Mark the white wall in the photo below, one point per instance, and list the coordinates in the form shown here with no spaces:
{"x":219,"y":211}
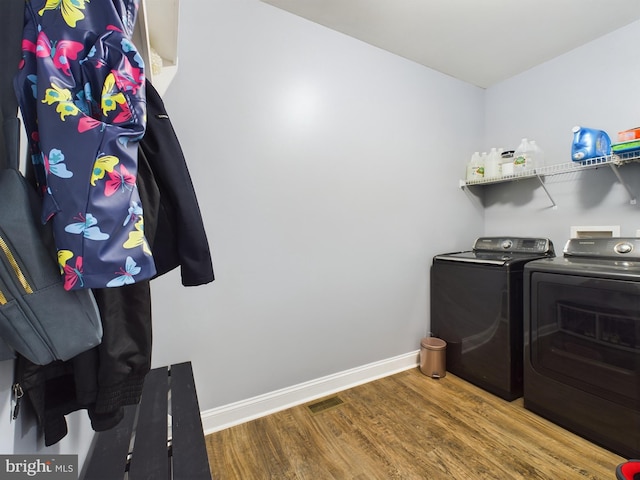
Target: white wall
{"x":594,"y":86}
{"x":327,"y":174}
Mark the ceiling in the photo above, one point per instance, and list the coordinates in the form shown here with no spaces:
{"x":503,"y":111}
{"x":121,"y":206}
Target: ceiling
{"x":481,"y":42}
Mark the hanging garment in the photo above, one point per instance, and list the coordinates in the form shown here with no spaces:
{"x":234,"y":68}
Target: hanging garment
{"x":178,"y":237}
{"x":82,"y":95}
{"x":102,"y":380}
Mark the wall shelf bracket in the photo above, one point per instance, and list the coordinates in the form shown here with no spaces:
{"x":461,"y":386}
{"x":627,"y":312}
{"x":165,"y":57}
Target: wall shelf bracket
{"x":546,"y":190}
{"x":632,"y":197}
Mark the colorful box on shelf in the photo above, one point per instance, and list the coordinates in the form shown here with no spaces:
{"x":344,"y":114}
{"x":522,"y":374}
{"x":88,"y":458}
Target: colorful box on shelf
{"x":626,"y":147}
{"x":631,"y":134}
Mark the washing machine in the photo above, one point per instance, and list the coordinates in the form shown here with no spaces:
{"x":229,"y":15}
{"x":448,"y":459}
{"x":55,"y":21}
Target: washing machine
{"x":582,"y":341}
{"x":476,"y":307}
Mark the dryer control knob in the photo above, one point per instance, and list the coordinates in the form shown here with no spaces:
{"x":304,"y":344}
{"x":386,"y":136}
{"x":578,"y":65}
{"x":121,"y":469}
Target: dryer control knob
{"x":623,"y":247}
{"x":507,"y":244}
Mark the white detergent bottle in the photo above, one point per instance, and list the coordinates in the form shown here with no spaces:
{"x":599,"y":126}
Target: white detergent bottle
{"x":492,"y":164}
{"x":473,"y":166}
{"x":522,"y":157}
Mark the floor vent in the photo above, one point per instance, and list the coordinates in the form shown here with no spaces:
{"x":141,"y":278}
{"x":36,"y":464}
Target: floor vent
{"x":325,"y":404}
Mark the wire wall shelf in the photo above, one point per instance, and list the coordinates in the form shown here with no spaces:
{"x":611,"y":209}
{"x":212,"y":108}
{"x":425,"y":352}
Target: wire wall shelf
{"x":614,"y":161}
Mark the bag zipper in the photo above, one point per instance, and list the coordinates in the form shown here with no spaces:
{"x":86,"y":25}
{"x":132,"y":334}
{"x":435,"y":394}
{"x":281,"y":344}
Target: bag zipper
{"x":22,"y":279}
{"x":18,"y":393}
{"x":16,"y":269}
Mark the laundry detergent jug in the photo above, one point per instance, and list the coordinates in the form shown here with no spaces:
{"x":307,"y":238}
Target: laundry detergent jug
{"x":589,"y":143}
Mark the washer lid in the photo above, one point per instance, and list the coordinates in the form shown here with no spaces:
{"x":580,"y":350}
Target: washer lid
{"x":487,"y":258}
{"x":500,"y":251}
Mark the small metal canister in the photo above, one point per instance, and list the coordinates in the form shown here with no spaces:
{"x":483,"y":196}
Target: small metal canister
{"x":433,"y":357}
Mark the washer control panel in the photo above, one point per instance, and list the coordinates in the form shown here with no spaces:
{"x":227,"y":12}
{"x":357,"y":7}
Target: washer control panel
{"x":615,"y":247}
{"x":514,"y":245}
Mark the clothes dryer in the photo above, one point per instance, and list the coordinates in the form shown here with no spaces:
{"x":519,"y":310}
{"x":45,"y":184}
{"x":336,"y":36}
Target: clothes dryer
{"x":582,"y":341}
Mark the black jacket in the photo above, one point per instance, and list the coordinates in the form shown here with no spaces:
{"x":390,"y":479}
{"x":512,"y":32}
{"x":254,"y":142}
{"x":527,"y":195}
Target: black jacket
{"x":101,"y":380}
{"x":179,"y":237}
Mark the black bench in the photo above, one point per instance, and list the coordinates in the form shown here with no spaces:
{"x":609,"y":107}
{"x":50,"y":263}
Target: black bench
{"x":156,"y":452}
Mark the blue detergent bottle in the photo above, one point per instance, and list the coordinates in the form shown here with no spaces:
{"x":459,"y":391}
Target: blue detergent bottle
{"x":589,"y":143}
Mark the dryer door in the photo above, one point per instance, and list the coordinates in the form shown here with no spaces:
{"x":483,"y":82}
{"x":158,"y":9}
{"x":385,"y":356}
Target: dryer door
{"x":585,"y":332}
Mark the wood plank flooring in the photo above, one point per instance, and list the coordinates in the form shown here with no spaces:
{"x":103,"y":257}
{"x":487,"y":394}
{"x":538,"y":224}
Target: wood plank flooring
{"x":407,"y":426}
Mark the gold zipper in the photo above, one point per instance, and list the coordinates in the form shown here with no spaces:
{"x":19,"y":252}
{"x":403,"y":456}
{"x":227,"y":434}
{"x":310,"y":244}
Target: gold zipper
{"x":16,"y":269}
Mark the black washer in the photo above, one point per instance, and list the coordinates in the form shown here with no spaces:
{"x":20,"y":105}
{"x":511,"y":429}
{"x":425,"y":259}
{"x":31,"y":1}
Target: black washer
{"x":476,"y":307}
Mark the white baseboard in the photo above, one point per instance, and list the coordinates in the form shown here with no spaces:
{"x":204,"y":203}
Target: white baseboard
{"x":226,"y":416}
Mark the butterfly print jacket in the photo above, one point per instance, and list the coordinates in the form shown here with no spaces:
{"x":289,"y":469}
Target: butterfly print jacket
{"x":81,"y":89}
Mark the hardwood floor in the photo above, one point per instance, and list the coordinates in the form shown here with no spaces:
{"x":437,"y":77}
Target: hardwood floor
{"x":407,"y":426}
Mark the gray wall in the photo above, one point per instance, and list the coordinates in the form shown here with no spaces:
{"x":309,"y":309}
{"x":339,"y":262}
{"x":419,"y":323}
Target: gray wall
{"x":594,"y":86}
{"x":327,"y":173}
